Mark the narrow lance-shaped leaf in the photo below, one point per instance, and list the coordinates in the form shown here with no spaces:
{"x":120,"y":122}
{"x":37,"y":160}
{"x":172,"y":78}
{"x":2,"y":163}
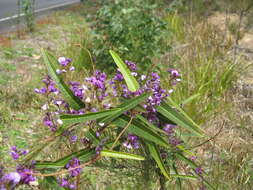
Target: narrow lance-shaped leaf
{"x":82,"y":155}
{"x":131,"y":82}
{"x":142,"y":131}
{"x":177,"y":118}
{"x":68,"y":95}
{"x":72,"y":119}
{"x":157,"y":157}
{"x":123,"y":155}
{"x":194,"y":166}
{"x":174,"y":104}
{"x":124,"y":107}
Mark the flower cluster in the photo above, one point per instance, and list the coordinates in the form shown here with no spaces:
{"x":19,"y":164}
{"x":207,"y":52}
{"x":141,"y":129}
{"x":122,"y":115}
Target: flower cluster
{"x":22,"y":175}
{"x":170,"y":130}
{"x":15,"y":153}
{"x":131,"y":142}
{"x":26,"y":174}
{"x":77,"y":89}
{"x":65,"y":182}
{"x":72,"y":166}
{"x":48,"y":88}
{"x":99,"y":82}
{"x":175,"y":77}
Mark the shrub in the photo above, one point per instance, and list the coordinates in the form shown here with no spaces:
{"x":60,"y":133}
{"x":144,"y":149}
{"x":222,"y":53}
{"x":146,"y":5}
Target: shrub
{"x":125,"y":117}
{"x":133,"y":27}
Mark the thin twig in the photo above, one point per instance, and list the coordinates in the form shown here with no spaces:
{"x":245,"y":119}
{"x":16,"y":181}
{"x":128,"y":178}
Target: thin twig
{"x":121,"y":133}
{"x":212,"y":138}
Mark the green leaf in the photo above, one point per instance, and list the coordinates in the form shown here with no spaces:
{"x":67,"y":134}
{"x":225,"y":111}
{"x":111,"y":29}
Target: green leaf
{"x":157,"y":157}
{"x":34,"y":153}
{"x":152,"y":126}
{"x":174,"y":104}
{"x":125,"y":106}
{"x":171,"y":114}
{"x":191,"y":98}
{"x":186,"y":160}
{"x":82,"y":155}
{"x":51,"y":183}
{"x":193,"y":165}
{"x":140,"y":130}
{"x":115,"y":154}
{"x":131,"y":82}
{"x":83,"y":59}
{"x":51,"y":64}
{"x":179,"y":181}
{"x":184,"y":176}
{"x":72,"y":119}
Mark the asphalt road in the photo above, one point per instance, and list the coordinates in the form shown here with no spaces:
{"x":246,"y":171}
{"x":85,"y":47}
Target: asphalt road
{"x":9,"y":8}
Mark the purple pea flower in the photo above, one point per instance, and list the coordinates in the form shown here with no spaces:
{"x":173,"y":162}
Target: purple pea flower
{"x":132,"y":142}
{"x":63,"y":61}
{"x":73,"y":163}
{"x":26,"y":176}
{"x":199,"y":171}
{"x":169,"y":129}
{"x":73,"y":138}
{"x":13,"y":177}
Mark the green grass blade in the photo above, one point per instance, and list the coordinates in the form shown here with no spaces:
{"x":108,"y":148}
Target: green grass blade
{"x":184,"y":176}
{"x":140,"y":130}
{"x":115,"y":154}
{"x":83,"y":59}
{"x":72,"y":119}
{"x":51,"y":64}
{"x":171,"y":114}
{"x":157,"y":157}
{"x":189,"y":99}
{"x":131,"y":82}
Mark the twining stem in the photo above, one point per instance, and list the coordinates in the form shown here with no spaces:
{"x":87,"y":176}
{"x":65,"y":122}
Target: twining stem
{"x":65,"y":171}
{"x":121,"y":133}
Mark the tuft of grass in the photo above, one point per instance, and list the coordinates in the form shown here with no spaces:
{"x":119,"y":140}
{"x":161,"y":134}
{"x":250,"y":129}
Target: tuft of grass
{"x":210,"y":71}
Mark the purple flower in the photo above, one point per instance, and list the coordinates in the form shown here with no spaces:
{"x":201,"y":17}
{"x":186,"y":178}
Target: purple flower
{"x":193,"y":158}
{"x":12,"y":177}
{"x":77,"y":90}
{"x":131,"y":142}
{"x":174,"y":73}
{"x":72,"y":68}
{"x":131,"y":65}
{"x":73,"y":163}
{"x":169,"y":129}
{"x":118,"y":77}
{"x":14,"y":155}
{"x":26,"y":175}
{"x":64,"y":182}
{"x":85,"y":141}
{"x":73,"y":138}
{"x":199,"y":171}
{"x":174,"y":141}
{"x":63,"y":61}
